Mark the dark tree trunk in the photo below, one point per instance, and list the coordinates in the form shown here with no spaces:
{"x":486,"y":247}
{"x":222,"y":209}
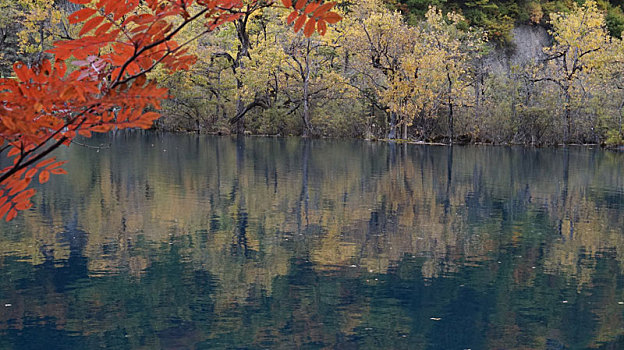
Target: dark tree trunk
{"x":450,"y":104}
{"x":392,"y":133}
{"x":306,"y":93}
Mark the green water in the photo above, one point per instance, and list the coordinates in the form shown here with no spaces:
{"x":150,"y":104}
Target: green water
{"x":186,"y":242}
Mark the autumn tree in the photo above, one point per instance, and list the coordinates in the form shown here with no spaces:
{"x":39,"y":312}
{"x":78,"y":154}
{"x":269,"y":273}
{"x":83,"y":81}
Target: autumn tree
{"x":376,"y":42}
{"x":47,"y":105}
{"x":415,"y":71}
{"x":235,"y":59}
{"x":581,"y":40}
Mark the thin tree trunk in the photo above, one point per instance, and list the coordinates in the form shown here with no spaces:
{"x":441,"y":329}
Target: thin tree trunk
{"x":306,"y":93}
{"x":243,"y":51}
{"x":450,"y":103}
{"x":240,"y":106}
{"x":405,"y":129}
{"x":567,"y":116}
{"x":620,"y":118}
{"x":392,"y":133}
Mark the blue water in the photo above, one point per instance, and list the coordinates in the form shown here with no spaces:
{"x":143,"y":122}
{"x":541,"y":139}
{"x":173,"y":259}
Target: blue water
{"x":195,"y":242}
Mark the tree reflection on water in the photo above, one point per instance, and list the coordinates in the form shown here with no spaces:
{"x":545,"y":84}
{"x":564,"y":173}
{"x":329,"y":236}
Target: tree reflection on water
{"x":175,"y":242}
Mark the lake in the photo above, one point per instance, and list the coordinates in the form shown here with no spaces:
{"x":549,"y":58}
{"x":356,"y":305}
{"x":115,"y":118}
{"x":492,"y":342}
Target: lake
{"x":165,"y":241}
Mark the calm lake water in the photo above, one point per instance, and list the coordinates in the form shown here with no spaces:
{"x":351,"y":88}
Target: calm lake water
{"x":186,"y":242}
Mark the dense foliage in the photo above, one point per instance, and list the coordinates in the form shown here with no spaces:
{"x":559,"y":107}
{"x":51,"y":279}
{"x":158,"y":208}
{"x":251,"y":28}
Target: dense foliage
{"x":423,"y":73}
{"x":499,"y":17}
{"x":380,"y":76}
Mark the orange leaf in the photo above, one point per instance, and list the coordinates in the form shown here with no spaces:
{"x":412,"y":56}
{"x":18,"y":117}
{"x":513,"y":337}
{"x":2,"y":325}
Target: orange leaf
{"x":23,"y":196}
{"x":91,"y":24}
{"x":300,"y":4}
{"x":13,"y":152}
{"x":11,"y":215}
{"x":102,"y":128}
{"x":56,"y":165}
{"x":5,"y":208}
{"x":322,"y":27}
{"x":150,"y":116}
{"x":31,"y":173}
{"x":44,"y":176}
{"x":21,"y":185}
{"x":22,"y":206}
{"x":291,"y":18}
{"x":300,"y":22}
{"x":58,"y":171}
{"x":324,"y":8}
{"x":332,"y":17}
{"x":81,"y":15}
{"x":309,"y":28}
{"x":103,"y":28}
{"x":287,"y":3}
{"x":311,"y":7}
{"x":46,"y":162}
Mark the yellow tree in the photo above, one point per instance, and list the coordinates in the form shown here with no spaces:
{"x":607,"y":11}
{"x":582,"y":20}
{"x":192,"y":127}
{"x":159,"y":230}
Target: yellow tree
{"x":377,"y":40}
{"x":288,"y":71}
{"x":414,"y":70}
{"x":580,"y":41}
{"x":28,"y":28}
{"x":433,"y":73}
{"x":455,"y":47}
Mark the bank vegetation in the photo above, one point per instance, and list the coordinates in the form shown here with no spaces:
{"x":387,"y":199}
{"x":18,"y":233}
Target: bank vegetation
{"x":383,"y":72}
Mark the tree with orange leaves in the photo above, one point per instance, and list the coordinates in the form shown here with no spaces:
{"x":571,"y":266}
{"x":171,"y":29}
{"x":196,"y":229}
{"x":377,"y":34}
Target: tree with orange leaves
{"x":121,"y":41}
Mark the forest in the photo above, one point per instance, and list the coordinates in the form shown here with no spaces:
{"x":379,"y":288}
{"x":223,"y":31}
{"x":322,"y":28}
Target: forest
{"x":429,"y":71}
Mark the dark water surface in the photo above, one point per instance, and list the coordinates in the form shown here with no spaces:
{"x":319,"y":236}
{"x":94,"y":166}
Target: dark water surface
{"x":185,"y":242}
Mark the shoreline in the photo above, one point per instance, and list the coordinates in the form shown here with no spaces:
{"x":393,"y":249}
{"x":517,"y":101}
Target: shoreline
{"x":618,"y":148}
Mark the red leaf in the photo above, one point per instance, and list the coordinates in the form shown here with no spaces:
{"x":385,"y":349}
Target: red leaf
{"x":300,"y":4}
{"x":43,"y":163}
{"x":291,"y":18}
{"x":311,"y":7}
{"x":332,"y":17}
{"x":322,"y":27}
{"x":90,"y":25}
{"x":309,"y":28}
{"x":21,"y":185}
{"x":44,"y":176}
{"x":324,"y":8}
{"x":5,"y":208}
{"x":103,"y":28}
{"x":22,"y":206}
{"x":22,"y":71}
{"x":300,"y":22}
{"x":11,"y":215}
{"x":287,"y":3}
{"x":81,"y":15}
